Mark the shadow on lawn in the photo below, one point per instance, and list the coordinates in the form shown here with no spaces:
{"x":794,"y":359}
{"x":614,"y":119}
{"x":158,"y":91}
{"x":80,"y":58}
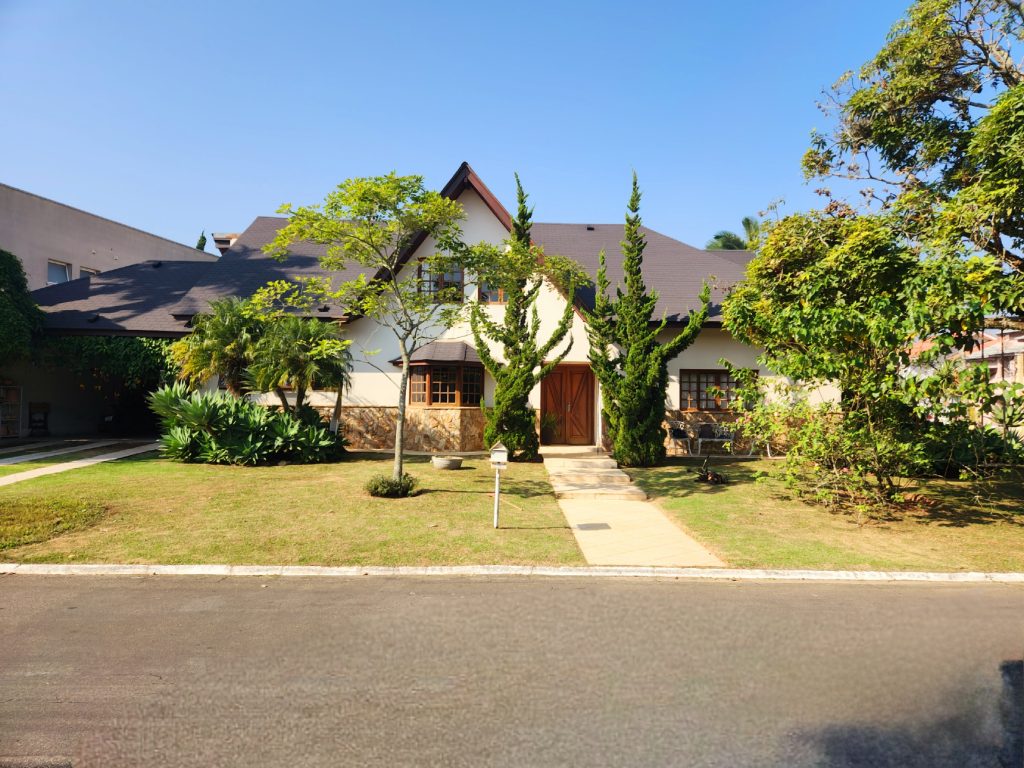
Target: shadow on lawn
{"x":677,"y":477}
{"x":978,"y":502}
{"x":526,"y":489}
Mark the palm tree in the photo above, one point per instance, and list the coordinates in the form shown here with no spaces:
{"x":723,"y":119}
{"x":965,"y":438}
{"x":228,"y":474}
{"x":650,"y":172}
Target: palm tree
{"x":299,"y":353}
{"x":730,"y":241}
{"x":220,"y":345}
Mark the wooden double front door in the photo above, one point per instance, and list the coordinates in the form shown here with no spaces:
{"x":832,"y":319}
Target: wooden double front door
{"x":568,"y":394}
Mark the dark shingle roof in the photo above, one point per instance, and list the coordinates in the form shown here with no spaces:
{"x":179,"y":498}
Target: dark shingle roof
{"x":134,"y":300}
{"x":443,"y":352}
{"x":244,"y":268}
{"x":672,"y":268}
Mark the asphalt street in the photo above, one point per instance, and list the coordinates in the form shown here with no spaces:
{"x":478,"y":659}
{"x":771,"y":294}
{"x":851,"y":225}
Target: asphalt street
{"x":376,"y":671}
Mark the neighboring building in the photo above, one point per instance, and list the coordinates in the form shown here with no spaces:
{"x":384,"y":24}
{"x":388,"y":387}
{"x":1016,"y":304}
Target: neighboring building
{"x":1002,"y":352}
{"x":448,"y":384}
{"x":57,"y":243}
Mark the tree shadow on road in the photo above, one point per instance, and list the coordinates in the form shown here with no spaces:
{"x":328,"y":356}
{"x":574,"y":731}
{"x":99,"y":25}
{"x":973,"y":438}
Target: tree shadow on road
{"x":980,"y":733}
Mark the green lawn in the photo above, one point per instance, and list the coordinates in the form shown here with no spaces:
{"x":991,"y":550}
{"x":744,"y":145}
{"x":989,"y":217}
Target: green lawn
{"x":148,"y":510}
{"x":757,"y":523}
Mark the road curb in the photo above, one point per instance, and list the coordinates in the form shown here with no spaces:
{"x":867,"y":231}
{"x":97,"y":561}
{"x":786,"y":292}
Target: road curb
{"x":702,"y":574}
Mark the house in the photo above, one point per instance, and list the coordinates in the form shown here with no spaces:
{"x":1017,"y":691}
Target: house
{"x":57,"y":243}
{"x":448,"y":383}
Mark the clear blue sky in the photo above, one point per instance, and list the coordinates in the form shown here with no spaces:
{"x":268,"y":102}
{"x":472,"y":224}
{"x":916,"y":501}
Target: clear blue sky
{"x":183,"y":116}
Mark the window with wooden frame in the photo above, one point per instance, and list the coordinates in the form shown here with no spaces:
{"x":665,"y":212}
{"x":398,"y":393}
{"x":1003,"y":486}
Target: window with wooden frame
{"x":489,"y":295}
{"x":445,"y":286}
{"x":706,"y":390}
{"x":451,"y":386}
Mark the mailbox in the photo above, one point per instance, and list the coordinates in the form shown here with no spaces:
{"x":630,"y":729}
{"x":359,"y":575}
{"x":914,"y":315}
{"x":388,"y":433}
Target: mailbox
{"x":499,"y":456}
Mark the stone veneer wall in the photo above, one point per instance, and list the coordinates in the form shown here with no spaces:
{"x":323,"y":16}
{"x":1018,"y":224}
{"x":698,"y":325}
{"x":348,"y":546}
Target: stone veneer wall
{"x":426,"y":429}
{"x":692,"y":420}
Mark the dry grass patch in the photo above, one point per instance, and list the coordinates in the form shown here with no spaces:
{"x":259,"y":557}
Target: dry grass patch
{"x":754,"y":522}
{"x":157,"y":511}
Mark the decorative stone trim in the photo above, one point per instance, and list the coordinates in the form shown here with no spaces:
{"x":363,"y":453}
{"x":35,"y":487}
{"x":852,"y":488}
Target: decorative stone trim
{"x":426,"y":429}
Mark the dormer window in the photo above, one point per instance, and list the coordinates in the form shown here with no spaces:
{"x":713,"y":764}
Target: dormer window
{"x":445,"y":286}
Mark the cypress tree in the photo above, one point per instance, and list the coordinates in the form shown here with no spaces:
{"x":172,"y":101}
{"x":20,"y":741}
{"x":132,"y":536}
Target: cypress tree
{"x":519,"y":269}
{"x":626,"y":356}
{"x":201,"y":242}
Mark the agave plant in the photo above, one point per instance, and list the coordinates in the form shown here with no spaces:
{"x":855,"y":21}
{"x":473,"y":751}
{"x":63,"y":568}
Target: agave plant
{"x":215,"y":428}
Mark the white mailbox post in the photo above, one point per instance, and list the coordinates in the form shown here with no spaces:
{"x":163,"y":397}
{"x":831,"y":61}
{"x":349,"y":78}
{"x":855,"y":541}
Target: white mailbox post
{"x":499,"y":460}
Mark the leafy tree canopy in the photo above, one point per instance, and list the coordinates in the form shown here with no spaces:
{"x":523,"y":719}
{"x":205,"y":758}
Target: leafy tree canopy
{"x":726,"y":240}
{"x":374,"y":224}
{"x":931,"y":130}
{"x":846,"y":300}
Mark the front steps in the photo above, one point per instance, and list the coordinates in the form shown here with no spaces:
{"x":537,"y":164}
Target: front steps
{"x":594,"y":476}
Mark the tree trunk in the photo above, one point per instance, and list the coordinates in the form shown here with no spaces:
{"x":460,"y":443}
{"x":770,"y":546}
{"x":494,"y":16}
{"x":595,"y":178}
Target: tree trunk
{"x":284,"y":399}
{"x":400,"y":422}
{"x":336,"y":416}
{"x":300,"y":397}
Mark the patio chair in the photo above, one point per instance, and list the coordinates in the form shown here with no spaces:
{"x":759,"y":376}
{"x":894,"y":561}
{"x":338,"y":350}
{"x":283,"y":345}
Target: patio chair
{"x":677,"y":434}
{"x":715,"y":433}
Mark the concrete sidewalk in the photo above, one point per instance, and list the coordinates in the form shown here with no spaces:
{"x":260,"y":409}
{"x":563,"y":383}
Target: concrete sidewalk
{"x":610,"y":517}
{"x":66,"y":466}
{"x":22,"y":458}
{"x":626,"y":532}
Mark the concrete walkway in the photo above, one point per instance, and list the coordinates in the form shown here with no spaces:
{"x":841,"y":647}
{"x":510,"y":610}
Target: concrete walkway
{"x":612,"y":520}
{"x":38,"y":455}
{"x":65,"y":466}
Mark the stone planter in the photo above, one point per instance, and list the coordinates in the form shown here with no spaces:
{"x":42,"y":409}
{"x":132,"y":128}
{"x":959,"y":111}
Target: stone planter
{"x":446,"y":462}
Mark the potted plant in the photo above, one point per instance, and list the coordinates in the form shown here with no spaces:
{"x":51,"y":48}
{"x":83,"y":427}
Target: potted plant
{"x":548,"y":428}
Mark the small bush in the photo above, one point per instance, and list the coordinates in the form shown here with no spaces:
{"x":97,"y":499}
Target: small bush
{"x":216,"y":428}
{"x":385,"y":486}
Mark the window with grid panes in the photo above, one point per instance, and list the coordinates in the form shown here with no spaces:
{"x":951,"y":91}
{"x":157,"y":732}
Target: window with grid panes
{"x":446,"y":385}
{"x":434,"y":283}
{"x":472,"y":386}
{"x":706,"y":390}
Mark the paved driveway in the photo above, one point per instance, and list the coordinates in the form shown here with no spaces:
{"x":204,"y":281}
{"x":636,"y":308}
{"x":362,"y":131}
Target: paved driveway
{"x":202,"y":671}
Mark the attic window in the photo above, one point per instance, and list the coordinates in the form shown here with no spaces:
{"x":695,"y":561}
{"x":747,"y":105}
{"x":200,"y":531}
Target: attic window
{"x":446,"y":286}
{"x":57,"y":272}
{"x":590,"y":228}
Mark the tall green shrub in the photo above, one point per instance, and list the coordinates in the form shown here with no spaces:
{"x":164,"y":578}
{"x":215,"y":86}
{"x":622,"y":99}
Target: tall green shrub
{"x":519,"y":270}
{"x":626,"y":356}
{"x":20,"y":318}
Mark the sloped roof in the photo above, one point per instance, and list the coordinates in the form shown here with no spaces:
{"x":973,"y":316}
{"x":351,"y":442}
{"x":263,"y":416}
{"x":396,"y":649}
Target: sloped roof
{"x":672,"y":268}
{"x":244,"y":267}
{"x":134,"y":301}
{"x":443,"y":352}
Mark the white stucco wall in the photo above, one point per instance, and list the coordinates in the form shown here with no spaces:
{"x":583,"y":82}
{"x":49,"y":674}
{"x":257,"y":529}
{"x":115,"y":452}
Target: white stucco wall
{"x":375,"y":380}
